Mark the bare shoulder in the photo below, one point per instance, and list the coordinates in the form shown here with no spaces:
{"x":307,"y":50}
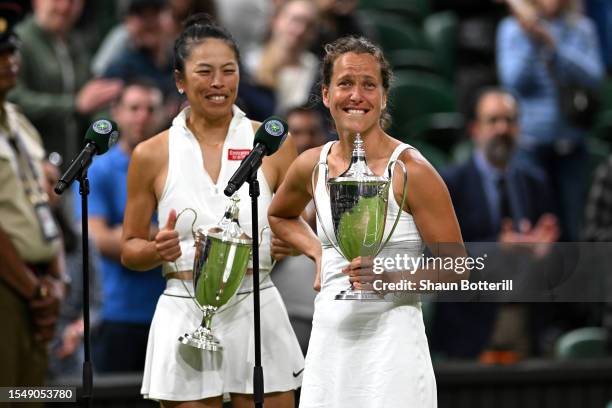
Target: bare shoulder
{"x":417,"y":165}
{"x":153,"y":151}
{"x":306,"y":161}
{"x":149,"y":163}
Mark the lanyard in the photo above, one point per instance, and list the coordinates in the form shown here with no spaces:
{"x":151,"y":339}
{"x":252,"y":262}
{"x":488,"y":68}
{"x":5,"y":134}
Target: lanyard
{"x":27,"y":171}
{"x":30,"y":179}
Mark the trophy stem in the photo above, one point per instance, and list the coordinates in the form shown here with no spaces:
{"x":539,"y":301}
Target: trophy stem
{"x":202,"y":338}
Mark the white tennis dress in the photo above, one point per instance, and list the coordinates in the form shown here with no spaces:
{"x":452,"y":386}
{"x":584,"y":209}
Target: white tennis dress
{"x":367,"y":354}
{"x":178,"y":372}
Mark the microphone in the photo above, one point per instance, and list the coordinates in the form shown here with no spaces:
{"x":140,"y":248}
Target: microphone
{"x":268,"y":138}
{"x":100,"y":136}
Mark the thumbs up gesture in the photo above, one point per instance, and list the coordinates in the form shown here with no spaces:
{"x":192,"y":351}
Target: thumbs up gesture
{"x":167,"y":240}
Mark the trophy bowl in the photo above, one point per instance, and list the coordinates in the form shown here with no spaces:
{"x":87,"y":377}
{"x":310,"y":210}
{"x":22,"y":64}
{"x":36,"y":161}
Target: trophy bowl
{"x":359,"y":213}
{"x":359,"y":201}
{"x":221,"y":259}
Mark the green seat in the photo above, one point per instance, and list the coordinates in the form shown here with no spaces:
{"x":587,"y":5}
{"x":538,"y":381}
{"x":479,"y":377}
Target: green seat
{"x":394,"y":33}
{"x":442,"y":129}
{"x":441,"y":31}
{"x":586,"y":342}
{"x":435,"y":156}
{"x":462,"y":151}
{"x":602,"y":129}
{"x":415,"y":94}
{"x":413,"y":9}
{"x":606,"y":94}
{"x":599,"y":151}
{"x":414,"y":60}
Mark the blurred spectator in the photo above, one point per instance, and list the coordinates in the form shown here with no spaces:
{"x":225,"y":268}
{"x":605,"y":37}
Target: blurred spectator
{"x":495,"y":199}
{"x":601,"y":13}
{"x":140,"y":28}
{"x":129,"y":297}
{"x":337,"y":18}
{"x":66,"y":352}
{"x":53,"y":87}
{"x":247,"y":20}
{"x":547,"y":45}
{"x":177,"y":12}
{"x":284,"y":63}
{"x":306,"y":127}
{"x":32,"y":284}
{"x":148,"y":54}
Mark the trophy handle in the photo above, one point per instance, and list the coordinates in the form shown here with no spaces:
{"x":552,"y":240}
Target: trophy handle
{"x":261,"y":233}
{"x":193,"y":234}
{"x":195,"y":218}
{"x":314,"y":200}
{"x":391,"y":170}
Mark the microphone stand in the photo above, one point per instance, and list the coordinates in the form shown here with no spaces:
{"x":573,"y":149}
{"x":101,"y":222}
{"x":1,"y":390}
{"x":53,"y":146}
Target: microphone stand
{"x":258,"y":377}
{"x":87,"y":368}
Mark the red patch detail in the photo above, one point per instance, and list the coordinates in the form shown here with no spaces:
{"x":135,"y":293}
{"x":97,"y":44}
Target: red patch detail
{"x":237,"y":154}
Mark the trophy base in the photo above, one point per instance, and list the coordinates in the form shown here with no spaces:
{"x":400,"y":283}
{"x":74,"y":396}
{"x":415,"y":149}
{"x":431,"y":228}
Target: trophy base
{"x":202,"y":339}
{"x":351,"y":294}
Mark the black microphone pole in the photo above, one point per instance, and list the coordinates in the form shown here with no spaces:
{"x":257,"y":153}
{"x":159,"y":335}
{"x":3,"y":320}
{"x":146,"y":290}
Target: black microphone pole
{"x":258,"y":377}
{"x":87,"y":368}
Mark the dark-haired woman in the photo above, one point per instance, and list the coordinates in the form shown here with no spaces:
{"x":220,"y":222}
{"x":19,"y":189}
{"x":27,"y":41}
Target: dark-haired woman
{"x":365,"y":354}
{"x":188,"y":166}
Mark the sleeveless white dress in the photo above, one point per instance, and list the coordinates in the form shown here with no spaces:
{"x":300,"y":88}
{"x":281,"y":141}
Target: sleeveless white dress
{"x":178,"y":372}
{"x":367,"y":354}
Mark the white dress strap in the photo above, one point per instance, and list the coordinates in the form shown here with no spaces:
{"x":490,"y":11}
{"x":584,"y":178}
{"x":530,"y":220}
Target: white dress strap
{"x":325,"y":151}
{"x":398,"y":150}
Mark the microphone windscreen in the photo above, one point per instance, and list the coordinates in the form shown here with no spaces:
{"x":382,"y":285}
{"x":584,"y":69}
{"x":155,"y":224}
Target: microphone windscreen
{"x":271,"y":133}
{"x":103,"y":133}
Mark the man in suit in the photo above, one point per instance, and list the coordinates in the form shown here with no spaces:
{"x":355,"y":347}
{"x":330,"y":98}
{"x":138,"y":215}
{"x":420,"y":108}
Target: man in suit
{"x":495,"y":201}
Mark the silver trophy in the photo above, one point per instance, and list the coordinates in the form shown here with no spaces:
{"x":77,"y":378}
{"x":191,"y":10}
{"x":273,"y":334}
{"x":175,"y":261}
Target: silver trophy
{"x":359,"y":201}
{"x":220,"y":263}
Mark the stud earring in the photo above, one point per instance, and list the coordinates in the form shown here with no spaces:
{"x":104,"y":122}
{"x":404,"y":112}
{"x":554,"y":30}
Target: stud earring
{"x":181,"y":91}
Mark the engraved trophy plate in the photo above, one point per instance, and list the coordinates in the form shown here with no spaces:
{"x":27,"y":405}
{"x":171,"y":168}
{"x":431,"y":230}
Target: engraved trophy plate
{"x":221,"y":258}
{"x":359,"y":201}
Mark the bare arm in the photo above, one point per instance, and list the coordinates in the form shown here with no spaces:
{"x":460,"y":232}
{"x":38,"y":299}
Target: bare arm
{"x":430,"y":204}
{"x":138,"y":251}
{"x":289,"y":203}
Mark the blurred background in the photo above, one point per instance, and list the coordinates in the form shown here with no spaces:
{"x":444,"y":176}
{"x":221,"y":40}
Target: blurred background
{"x":79,"y":59}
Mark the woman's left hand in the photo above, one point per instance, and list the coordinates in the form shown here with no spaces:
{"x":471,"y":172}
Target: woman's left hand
{"x":280,"y":249}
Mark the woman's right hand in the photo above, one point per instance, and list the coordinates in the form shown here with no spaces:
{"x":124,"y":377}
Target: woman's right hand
{"x":167,"y":240}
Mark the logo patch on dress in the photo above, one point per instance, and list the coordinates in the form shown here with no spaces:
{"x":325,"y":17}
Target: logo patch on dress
{"x":237,"y":154}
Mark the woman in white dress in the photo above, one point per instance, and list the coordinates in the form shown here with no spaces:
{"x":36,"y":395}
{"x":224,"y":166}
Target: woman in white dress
{"x":365,"y":354}
{"x":188,"y":166}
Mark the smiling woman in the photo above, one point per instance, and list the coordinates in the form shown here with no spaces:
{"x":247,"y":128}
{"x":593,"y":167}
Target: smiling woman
{"x":364,"y":354}
{"x":187,"y":166}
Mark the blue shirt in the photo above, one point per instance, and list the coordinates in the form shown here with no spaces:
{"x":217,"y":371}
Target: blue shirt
{"x":128,"y":296}
{"x":523,"y":70}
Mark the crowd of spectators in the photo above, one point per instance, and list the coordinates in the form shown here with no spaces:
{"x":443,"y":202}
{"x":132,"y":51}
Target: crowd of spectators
{"x":544,"y":50}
